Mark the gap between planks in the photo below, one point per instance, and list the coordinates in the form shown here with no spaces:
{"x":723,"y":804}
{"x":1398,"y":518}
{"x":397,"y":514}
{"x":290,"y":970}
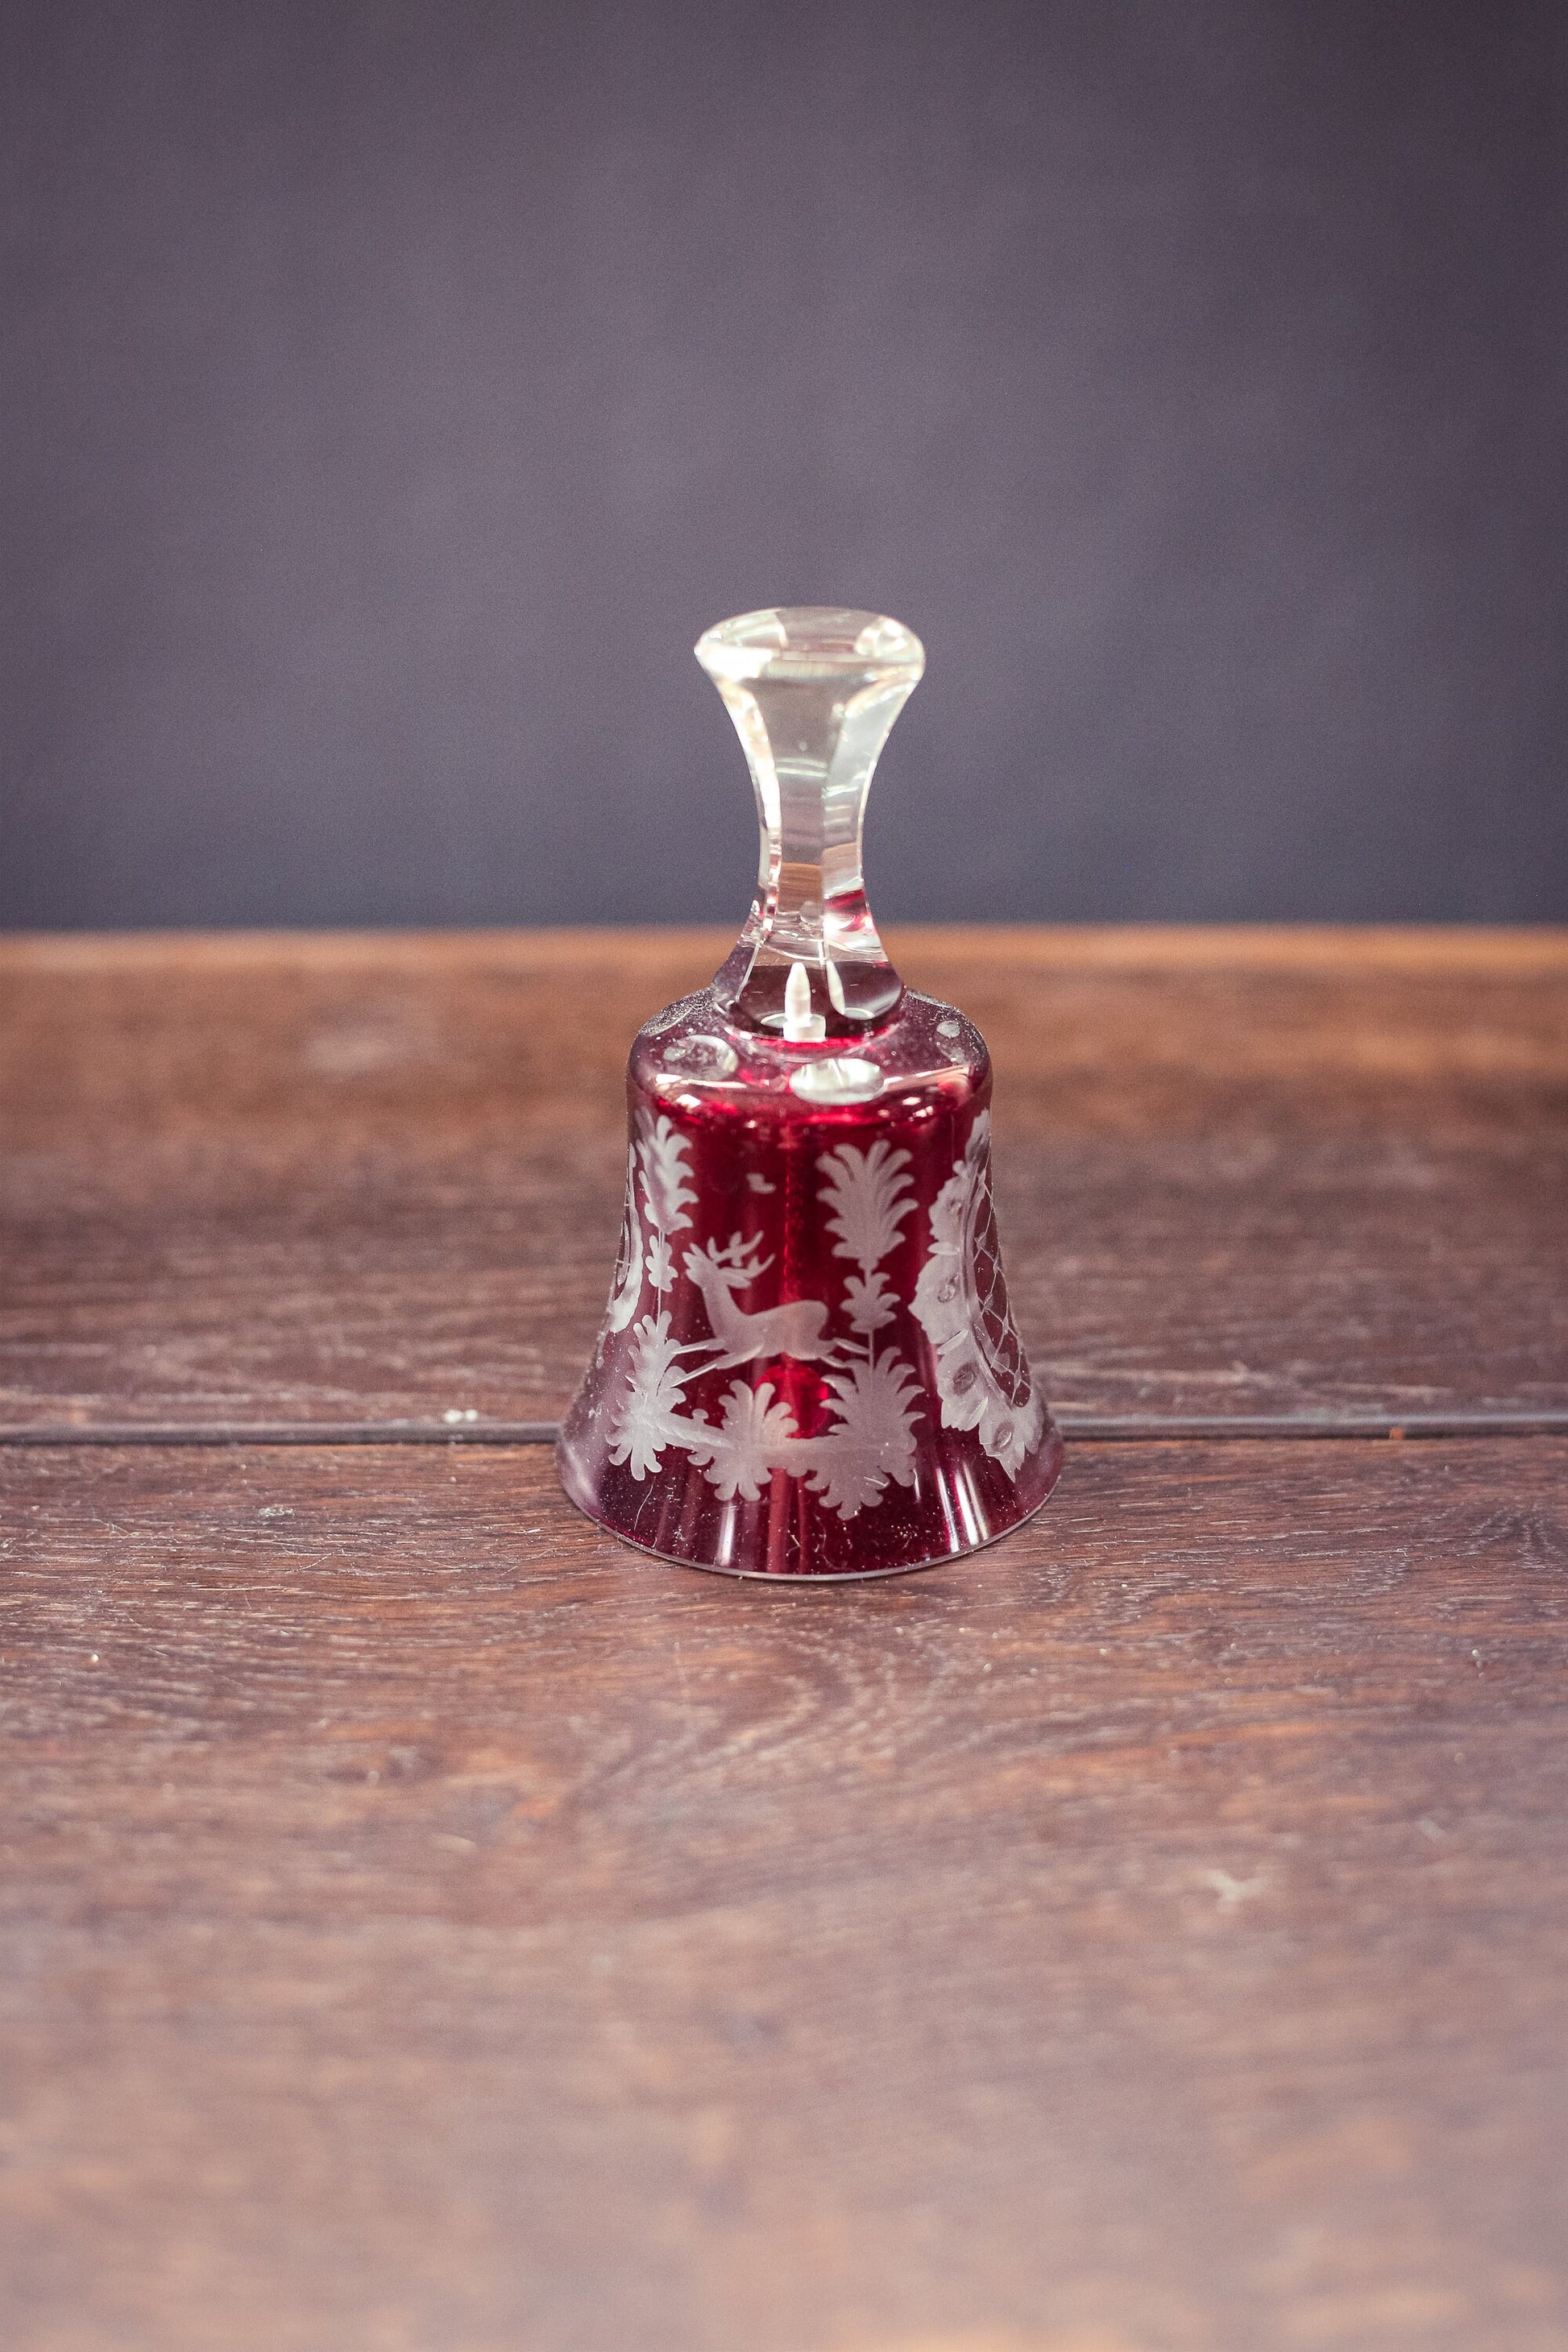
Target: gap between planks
{"x":1098,"y":1428}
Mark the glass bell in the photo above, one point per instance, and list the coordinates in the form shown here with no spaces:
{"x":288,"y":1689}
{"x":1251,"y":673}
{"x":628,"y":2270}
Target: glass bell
{"x":808,"y":1366}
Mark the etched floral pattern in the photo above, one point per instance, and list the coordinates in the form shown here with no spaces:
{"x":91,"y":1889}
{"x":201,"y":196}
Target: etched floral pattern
{"x":642,"y":1417}
{"x":753,"y":1434}
{"x":663,"y":1159}
{"x":872,"y":1397}
{"x":869,"y":1302}
{"x":875,"y":1405}
{"x":866,"y":1191}
{"x":959,"y":1300}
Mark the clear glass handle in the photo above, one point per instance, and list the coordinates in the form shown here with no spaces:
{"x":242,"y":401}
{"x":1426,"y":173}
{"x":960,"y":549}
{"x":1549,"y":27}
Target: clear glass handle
{"x":813,"y":692}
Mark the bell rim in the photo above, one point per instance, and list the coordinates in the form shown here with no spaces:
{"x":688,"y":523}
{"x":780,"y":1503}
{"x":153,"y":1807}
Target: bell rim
{"x":1051,"y":1449}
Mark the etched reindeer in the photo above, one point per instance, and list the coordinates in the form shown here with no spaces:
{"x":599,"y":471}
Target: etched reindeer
{"x":794,"y":1329}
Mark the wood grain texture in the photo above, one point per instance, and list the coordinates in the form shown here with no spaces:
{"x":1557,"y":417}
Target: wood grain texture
{"x":430,"y":1926}
{"x":361,"y":1179}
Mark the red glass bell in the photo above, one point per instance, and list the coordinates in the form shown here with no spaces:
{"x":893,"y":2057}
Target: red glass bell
{"x":808,"y":1366}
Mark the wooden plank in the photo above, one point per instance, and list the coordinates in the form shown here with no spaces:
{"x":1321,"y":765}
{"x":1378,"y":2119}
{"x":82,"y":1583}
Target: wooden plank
{"x":428,"y":1925}
{"x":353,"y":1180}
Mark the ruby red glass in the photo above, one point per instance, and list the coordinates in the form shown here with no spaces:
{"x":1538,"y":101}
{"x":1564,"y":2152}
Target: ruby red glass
{"x":809,"y":1367}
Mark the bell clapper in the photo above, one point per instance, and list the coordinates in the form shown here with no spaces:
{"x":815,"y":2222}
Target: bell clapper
{"x":802,"y":1026}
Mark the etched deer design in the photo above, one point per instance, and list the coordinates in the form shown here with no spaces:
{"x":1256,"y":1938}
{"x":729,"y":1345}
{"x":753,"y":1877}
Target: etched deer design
{"x":792,"y":1330}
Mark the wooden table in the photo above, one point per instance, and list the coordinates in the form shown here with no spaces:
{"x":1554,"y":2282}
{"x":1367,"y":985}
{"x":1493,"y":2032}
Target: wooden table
{"x":430,"y":1926}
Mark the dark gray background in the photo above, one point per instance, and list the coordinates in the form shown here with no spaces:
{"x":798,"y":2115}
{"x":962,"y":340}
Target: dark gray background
{"x":393,"y":392}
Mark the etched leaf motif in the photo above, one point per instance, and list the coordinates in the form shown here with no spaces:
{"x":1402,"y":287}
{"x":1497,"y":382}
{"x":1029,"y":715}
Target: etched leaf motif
{"x":752,"y":1434}
{"x":660,"y":1263}
{"x":644,"y":1419}
{"x":865,"y":1190}
{"x":663,"y":1153}
{"x":875,"y":1405}
{"x":871,"y":1304}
